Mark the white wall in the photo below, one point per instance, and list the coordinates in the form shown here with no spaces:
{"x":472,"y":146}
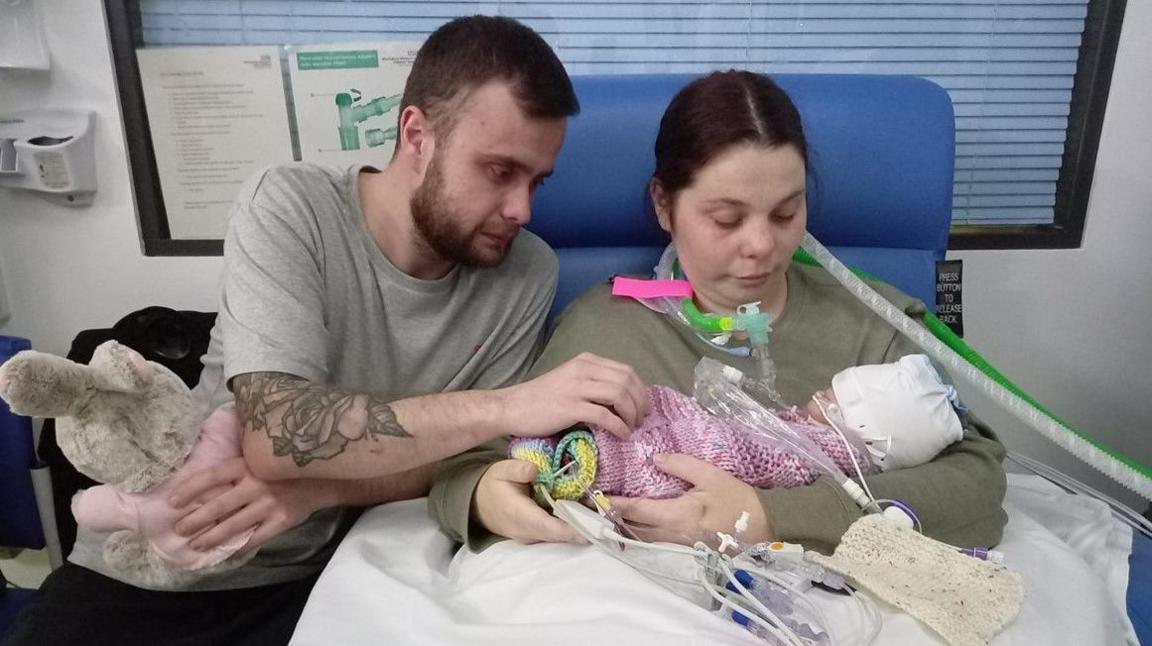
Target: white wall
{"x":1070,"y":327}
{"x":68,"y":269}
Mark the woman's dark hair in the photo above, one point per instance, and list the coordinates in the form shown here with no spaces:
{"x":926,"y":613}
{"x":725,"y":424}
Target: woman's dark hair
{"x":466,"y":53}
{"x":712,"y":114}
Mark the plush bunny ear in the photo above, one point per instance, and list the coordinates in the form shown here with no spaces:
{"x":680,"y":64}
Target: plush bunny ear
{"x":119,"y":368}
{"x":44,"y":385}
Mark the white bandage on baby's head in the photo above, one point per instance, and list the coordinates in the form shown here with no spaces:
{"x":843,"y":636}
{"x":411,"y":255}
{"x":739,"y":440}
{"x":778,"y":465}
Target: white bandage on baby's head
{"x":903,"y":410}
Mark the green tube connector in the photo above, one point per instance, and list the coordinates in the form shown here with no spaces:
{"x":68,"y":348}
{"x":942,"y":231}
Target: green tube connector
{"x":377,"y":107}
{"x":711,"y":323}
{"x":749,"y":319}
{"x":349,"y":135}
{"x":755,"y":323}
{"x":352,"y":115}
{"x":378,"y":137}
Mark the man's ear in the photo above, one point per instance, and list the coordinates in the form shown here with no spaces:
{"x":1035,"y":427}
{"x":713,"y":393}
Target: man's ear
{"x":417,"y":142}
{"x":661,"y":203}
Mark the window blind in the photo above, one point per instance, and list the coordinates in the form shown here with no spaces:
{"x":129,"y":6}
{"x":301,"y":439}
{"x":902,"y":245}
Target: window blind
{"x":1008,"y":65}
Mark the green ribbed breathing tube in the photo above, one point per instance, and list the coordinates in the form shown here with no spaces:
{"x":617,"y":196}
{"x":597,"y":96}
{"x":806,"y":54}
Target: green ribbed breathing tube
{"x":957,"y":354}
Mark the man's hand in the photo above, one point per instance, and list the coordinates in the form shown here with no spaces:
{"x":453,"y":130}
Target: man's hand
{"x":502,"y":504}
{"x":588,"y":389}
{"x":713,"y":505}
{"x":225,"y":501}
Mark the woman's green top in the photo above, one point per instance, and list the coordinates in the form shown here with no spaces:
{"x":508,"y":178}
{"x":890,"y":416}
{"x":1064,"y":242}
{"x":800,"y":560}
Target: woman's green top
{"x":822,"y":330}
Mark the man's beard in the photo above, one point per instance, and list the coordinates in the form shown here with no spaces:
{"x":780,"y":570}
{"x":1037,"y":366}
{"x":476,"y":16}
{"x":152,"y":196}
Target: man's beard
{"x":438,"y":223}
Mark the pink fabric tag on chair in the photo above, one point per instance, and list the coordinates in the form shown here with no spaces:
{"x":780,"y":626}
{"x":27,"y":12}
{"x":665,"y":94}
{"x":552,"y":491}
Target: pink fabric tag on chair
{"x":648,"y":289}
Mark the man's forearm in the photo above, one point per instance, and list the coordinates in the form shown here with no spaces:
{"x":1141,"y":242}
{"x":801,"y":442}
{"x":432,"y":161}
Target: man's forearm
{"x":365,"y":492}
{"x":294,"y":428}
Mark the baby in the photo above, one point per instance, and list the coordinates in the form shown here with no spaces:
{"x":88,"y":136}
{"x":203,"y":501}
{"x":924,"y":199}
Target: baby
{"x":901,"y":413}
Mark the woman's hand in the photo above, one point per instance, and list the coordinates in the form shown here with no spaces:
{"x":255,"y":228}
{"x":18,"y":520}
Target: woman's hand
{"x":224,"y":501}
{"x":503,"y":505}
{"x":714,"y":504}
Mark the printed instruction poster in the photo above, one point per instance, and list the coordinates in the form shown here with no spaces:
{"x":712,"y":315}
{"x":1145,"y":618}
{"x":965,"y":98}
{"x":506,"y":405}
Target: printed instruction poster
{"x":217,"y":115}
{"x":347,"y":100}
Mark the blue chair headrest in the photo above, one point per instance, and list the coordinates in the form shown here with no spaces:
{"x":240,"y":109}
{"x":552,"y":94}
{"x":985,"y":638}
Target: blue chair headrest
{"x":881,"y":151}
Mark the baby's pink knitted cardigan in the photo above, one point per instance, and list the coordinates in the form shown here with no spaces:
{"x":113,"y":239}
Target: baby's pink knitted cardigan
{"x":677,"y":424}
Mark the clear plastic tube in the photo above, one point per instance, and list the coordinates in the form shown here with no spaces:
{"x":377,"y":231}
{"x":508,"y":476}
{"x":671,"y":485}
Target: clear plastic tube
{"x":961,"y":368}
{"x":1120,"y":511}
{"x":748,"y":319}
{"x":717,"y":390}
{"x":765,"y":382}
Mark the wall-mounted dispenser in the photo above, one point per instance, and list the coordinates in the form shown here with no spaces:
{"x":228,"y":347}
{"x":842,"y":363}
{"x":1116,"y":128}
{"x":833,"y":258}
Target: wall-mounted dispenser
{"x":51,"y":152}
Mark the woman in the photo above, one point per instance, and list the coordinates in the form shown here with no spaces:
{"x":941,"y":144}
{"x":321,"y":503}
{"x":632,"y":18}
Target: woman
{"x":729,"y":189}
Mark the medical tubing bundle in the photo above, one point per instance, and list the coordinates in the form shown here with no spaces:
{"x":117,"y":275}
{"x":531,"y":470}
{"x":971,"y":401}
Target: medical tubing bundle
{"x":717,"y":330}
{"x":717,"y":577}
{"x":1120,"y":511}
{"x":717,"y":390}
{"x":962,"y":362}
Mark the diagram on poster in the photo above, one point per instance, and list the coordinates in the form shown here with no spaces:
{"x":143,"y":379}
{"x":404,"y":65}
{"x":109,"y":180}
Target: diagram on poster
{"x":347,"y":99}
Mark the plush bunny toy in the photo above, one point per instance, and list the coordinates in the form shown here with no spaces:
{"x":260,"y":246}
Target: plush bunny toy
{"x":128,"y":423}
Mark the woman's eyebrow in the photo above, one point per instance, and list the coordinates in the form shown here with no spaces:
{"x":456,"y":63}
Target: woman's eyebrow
{"x":724,"y":201}
{"x":788,"y":199}
{"x":793,"y":195}
{"x":730,"y":201}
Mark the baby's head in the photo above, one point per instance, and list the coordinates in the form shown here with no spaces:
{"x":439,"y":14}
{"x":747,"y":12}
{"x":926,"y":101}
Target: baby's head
{"x":903,"y":410}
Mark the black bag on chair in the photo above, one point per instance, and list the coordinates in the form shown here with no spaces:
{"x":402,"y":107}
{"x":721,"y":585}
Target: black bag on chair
{"x":173,"y":339}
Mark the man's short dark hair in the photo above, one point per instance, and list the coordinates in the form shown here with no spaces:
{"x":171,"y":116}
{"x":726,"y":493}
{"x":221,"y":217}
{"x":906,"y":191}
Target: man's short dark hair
{"x":468,"y":52}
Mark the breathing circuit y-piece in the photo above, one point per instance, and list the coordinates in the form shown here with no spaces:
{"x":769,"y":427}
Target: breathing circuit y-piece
{"x":669,"y":294}
{"x":756,"y":324}
{"x":748,"y":319}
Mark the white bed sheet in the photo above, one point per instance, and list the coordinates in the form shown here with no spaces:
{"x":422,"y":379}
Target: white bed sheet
{"x":396,"y":580}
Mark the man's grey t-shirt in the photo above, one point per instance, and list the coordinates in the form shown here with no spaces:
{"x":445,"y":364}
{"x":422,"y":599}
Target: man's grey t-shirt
{"x":307,"y":292}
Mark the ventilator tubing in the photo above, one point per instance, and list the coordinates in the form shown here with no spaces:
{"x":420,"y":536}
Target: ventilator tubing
{"x":964,"y":363}
{"x":748,"y":319}
{"x":717,"y":388}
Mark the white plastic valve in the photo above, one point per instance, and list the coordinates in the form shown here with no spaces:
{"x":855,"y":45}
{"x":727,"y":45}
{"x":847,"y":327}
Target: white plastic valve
{"x":898,"y":516}
{"x":733,"y":375}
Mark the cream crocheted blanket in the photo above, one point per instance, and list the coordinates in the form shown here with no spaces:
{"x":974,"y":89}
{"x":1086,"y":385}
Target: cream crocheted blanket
{"x":964,"y":599}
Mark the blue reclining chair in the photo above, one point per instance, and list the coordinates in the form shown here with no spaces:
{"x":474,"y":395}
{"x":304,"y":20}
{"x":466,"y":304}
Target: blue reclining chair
{"x":19,"y":516}
{"x":880,"y":182}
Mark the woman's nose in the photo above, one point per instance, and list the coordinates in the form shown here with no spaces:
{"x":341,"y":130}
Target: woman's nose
{"x":759,"y":239}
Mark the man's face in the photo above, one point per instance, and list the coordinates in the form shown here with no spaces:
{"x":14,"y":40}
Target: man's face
{"x":477,"y":189}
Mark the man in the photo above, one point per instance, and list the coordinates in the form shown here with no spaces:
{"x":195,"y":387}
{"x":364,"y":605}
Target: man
{"x":371,"y":323}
